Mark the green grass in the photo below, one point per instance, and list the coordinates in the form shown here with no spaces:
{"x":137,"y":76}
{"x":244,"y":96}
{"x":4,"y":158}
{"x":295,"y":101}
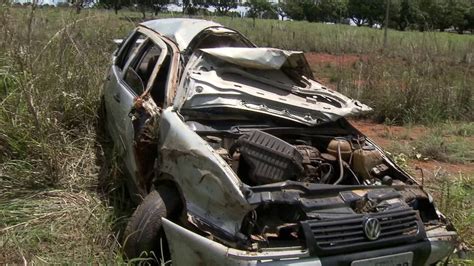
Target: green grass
{"x":454,"y":198}
{"x":57,"y":226}
{"x":305,"y":36}
{"x":61,"y":201}
{"x":56,"y":197}
{"x":405,"y":91}
{"x":450,"y":143}
{"x":459,"y":129}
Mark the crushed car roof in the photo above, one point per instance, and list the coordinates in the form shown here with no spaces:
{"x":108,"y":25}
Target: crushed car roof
{"x":181,"y":30}
{"x":260,"y":58}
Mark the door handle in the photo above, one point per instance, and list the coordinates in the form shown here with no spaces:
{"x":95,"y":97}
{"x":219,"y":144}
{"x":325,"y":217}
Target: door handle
{"x":117,"y":97}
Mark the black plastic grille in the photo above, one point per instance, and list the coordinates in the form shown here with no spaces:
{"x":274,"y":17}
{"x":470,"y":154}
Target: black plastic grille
{"x":344,"y":234}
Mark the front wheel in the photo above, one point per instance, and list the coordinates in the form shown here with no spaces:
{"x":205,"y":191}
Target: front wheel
{"x":144,"y":235}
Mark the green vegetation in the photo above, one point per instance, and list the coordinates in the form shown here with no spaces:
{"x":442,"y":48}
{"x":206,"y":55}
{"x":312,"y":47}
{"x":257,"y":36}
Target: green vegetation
{"x":433,"y":146}
{"x":60,"y":198}
{"x":448,"y":143}
{"x":337,"y":39}
{"x":55,"y":204}
{"x":454,"y":198}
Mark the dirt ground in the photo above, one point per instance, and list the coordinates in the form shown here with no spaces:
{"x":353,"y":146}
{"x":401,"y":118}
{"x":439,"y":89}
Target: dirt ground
{"x":337,"y":60}
{"x":322,"y":62}
{"x":385,"y":135}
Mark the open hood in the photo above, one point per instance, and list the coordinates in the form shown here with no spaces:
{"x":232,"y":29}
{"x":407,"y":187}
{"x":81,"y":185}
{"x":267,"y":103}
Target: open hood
{"x":264,"y":80}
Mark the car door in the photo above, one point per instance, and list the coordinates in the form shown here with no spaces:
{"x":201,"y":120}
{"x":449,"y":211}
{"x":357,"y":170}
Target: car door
{"x":113,"y":90}
{"x":130,"y":82}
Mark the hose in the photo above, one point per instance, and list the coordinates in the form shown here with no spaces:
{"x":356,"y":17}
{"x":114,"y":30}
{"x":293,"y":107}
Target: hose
{"x":341,"y":167}
{"x":353,"y":174}
{"x":326,"y":176}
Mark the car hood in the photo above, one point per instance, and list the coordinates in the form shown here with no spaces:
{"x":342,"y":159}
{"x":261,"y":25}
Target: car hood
{"x":270,"y":81}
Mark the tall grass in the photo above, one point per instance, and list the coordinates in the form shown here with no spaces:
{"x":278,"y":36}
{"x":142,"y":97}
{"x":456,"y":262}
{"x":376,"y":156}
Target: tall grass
{"x":410,"y":90}
{"x":337,"y":39}
{"x":52,"y":65}
{"x":454,"y":199}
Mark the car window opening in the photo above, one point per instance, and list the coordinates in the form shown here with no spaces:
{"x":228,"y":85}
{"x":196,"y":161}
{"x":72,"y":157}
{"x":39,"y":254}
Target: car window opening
{"x":158,"y":91}
{"x":214,"y":41}
{"x":129,"y":48}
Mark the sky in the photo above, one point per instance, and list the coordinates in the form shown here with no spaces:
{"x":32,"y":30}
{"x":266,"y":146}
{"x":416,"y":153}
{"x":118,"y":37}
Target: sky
{"x":41,"y":2}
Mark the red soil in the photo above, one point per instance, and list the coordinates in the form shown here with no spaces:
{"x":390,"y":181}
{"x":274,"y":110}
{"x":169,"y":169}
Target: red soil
{"x":323,"y":59}
{"x":385,"y":135}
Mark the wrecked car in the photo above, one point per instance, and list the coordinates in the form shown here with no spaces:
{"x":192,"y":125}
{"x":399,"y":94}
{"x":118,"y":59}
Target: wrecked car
{"x":240,"y":157}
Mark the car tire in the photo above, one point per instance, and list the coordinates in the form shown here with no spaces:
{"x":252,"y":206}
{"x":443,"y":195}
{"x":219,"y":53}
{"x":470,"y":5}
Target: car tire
{"x":144,"y":236}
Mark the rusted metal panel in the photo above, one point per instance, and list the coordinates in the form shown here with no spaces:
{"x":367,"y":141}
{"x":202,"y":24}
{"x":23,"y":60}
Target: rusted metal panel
{"x":145,"y":117}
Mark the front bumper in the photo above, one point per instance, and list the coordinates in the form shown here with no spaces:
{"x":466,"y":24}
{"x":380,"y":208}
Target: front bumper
{"x":189,"y":248}
{"x":442,"y":244}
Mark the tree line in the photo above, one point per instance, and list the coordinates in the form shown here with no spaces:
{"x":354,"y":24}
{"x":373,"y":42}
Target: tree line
{"x":419,"y":15}
{"x":403,"y":14}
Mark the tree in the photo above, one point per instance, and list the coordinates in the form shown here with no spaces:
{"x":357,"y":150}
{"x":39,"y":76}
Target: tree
{"x":292,"y":9}
{"x":433,"y":15}
{"x":191,"y":7}
{"x":257,"y":8}
{"x":332,"y":10}
{"x":364,"y":12}
{"x":143,"y":6}
{"x":223,"y":6}
{"x":403,"y":13}
{"x":80,"y":4}
{"x":315,"y":10}
{"x":459,"y":13}
{"x":157,"y":5}
{"x":116,"y":5}
{"x":469,"y":19}
{"x":311,"y":11}
{"x":407,"y":15}
{"x":146,"y":5}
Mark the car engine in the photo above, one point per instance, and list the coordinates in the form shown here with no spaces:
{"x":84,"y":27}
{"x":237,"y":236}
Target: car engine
{"x":261,"y":158}
{"x":291,"y":178}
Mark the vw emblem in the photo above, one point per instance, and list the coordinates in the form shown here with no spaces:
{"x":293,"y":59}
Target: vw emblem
{"x":372,"y":228}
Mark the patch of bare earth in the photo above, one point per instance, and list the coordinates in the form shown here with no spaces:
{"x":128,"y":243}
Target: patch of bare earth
{"x":386,"y":136}
{"x":323,"y":58}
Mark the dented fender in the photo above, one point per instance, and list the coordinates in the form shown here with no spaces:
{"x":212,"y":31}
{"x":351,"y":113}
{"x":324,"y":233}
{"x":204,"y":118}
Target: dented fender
{"x":211,"y":189}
